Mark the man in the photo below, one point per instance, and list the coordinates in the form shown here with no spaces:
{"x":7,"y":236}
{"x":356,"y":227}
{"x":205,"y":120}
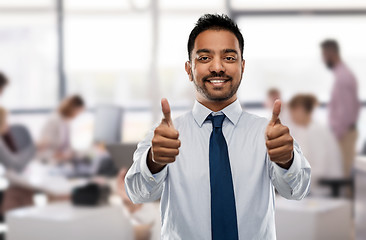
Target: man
{"x":3,"y":82}
{"x":318,"y":143}
{"x":4,"y":128}
{"x":272,"y":95}
{"x":13,"y":159}
{"x":344,"y":105}
{"x":214,"y":168}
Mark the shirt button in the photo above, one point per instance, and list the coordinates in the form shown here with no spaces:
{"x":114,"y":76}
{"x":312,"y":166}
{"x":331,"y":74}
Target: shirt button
{"x":151,"y":179}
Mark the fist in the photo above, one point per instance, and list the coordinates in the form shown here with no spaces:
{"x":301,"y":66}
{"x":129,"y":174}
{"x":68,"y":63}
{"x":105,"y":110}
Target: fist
{"x":278,"y":139}
{"x":165,"y":143}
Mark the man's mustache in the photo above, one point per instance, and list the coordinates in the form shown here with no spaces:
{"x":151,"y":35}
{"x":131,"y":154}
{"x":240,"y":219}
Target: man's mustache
{"x":217,"y":75}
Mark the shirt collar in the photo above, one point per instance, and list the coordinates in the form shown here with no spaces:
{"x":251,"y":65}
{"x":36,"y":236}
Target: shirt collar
{"x":232,"y":112}
{"x":338,"y":66}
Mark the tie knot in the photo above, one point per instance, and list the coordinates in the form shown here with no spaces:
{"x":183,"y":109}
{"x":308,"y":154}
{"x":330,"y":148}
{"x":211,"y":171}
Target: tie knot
{"x":216,"y":120}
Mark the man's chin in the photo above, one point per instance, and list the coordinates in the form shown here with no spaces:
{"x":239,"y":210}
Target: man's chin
{"x":218,"y":98}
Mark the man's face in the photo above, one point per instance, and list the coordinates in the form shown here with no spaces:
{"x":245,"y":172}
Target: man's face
{"x":75,"y":112}
{"x":299,"y":115}
{"x":2,"y":90}
{"x":216,"y":65}
{"x":328,"y":58}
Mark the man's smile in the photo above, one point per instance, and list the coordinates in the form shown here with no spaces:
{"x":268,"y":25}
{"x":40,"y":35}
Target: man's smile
{"x":217,"y":82}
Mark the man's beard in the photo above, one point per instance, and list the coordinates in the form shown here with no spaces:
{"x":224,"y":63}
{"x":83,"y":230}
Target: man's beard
{"x":329,"y":64}
{"x":204,"y":91}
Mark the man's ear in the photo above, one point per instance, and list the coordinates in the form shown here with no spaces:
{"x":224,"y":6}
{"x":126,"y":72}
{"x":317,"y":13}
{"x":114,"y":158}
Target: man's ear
{"x":188,"y":68}
{"x":242,"y":66}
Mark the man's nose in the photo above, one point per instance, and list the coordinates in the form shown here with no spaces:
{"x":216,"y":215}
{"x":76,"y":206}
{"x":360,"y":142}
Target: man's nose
{"x":217,"y":66}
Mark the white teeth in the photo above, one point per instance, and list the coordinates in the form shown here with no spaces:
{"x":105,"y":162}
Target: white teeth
{"x":217,"y":81}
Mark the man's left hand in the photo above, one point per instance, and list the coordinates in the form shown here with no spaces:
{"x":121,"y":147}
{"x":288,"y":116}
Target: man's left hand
{"x":278,"y":139}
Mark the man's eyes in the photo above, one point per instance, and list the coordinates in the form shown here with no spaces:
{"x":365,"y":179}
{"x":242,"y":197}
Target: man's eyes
{"x":227,"y":58}
{"x":230,"y":58}
{"x":203,"y":58}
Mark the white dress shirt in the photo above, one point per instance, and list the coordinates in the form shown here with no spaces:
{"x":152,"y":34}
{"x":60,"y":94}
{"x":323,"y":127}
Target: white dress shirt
{"x":184,"y":186}
{"x":55,"y":137}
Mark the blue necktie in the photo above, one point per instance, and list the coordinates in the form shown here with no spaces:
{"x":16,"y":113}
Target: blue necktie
{"x":223,"y":211}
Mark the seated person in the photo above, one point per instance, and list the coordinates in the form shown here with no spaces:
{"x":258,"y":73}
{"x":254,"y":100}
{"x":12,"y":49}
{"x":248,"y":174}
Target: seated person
{"x":317,"y":143}
{"x":272,"y":95}
{"x":54,"y":143}
{"x":9,"y":157}
{"x":13,"y":160}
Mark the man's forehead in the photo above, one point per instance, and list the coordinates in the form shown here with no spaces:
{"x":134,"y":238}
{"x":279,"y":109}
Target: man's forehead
{"x":216,"y":40}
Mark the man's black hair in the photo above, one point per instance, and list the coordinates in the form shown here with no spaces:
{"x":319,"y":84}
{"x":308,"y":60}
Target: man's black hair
{"x":330,"y":44}
{"x":215,"y":22}
{"x":3,"y":80}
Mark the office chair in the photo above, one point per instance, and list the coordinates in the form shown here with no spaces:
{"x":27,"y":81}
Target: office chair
{"x":21,"y":136}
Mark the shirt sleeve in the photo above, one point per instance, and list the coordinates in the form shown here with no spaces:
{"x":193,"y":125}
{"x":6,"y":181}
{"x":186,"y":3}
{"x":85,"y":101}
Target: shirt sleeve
{"x":292,"y":183}
{"x":16,"y":161}
{"x":141,"y":185}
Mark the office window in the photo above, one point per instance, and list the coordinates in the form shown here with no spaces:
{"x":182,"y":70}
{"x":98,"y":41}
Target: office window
{"x":298,"y":4}
{"x":95,"y":5}
{"x":284,"y":52}
{"x":172,"y":55}
{"x":27,"y":4}
{"x":28,"y":46}
{"x":202,"y":5}
{"x":107,"y":57}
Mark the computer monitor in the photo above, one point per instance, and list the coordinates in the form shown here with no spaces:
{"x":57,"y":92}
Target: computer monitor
{"x":108,"y":124}
{"x":122,"y":154}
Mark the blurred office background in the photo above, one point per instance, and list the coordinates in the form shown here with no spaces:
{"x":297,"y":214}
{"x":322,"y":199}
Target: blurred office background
{"x":131,"y":53}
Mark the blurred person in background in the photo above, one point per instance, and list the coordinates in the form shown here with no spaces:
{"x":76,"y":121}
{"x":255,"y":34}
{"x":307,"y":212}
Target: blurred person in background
{"x":272,"y":95}
{"x":9,"y":156}
{"x":6,"y":137}
{"x":344,"y":105}
{"x":13,"y":160}
{"x":144,"y":217}
{"x":54,"y":143}
{"x":317,"y":142}
{"x":3,"y":83}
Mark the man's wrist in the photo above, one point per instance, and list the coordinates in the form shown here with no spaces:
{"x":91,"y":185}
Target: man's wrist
{"x":154,"y":167}
{"x":288,"y":164}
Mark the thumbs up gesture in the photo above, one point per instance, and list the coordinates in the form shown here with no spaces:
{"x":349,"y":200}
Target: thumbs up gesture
{"x":165,"y":143}
{"x":278,"y":139}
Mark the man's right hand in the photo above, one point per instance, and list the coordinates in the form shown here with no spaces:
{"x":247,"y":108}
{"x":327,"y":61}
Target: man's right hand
{"x":165,"y":143}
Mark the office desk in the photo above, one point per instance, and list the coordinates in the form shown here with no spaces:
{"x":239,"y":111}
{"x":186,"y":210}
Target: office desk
{"x":62,"y":221}
{"x":313,"y":219}
{"x":360,"y":197}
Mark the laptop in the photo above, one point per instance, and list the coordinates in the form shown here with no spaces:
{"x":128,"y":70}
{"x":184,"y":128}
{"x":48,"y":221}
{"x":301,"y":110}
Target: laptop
{"x":122,"y":154}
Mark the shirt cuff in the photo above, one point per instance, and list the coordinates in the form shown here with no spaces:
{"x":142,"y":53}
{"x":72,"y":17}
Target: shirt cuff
{"x":151,"y":179}
{"x":289,"y":175}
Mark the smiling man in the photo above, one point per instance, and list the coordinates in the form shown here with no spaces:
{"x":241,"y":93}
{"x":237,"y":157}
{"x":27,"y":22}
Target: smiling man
{"x":216,"y":167}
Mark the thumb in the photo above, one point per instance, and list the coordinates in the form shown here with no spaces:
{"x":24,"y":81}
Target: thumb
{"x":276,"y":111}
{"x":166,"y":111}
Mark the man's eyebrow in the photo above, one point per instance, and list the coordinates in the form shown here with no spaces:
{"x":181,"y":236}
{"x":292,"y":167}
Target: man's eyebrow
{"x":203,"y":50}
{"x":229,"y":50}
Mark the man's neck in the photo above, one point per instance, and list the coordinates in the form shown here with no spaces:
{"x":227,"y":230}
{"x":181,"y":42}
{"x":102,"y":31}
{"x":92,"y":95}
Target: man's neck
{"x":216,"y":106}
{"x":337,"y":63}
